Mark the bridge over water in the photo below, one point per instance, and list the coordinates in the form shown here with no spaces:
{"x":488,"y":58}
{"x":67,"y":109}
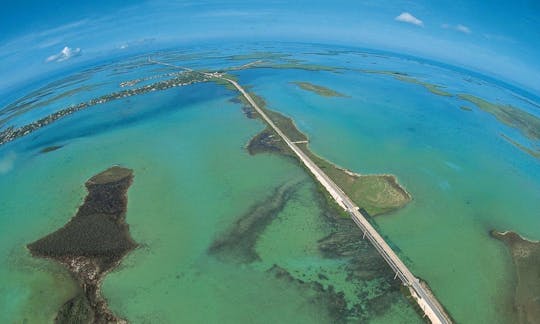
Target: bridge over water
{"x":419,"y":291}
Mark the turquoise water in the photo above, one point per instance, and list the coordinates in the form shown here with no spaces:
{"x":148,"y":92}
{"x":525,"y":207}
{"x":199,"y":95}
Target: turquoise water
{"x":194,"y":180}
{"x":464,"y":178}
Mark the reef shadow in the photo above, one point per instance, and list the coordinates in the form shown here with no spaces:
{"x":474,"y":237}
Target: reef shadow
{"x":237,"y":244}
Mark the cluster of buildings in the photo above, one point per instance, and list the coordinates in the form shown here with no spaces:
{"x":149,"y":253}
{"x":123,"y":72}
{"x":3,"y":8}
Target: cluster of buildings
{"x":11,"y":133}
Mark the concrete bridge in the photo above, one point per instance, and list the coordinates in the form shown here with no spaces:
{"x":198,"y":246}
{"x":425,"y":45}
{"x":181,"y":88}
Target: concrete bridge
{"x":424,"y":298}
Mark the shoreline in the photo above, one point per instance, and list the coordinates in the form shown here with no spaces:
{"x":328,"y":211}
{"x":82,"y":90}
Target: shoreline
{"x":362,"y":188}
{"x":525,"y":255}
{"x":336,"y":188}
{"x":92,"y":244}
{"x":12,"y":133}
{"x":493,"y":233}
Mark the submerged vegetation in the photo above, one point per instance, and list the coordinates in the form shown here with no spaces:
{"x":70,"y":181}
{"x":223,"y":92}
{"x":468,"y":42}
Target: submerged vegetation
{"x":526,"y":258}
{"x":259,"y":56}
{"x":376,"y":194}
{"x":531,"y":152}
{"x":237,"y":245}
{"x":50,"y":148}
{"x":295,"y":66}
{"x":366,"y":287}
{"x":318,"y":89}
{"x":433,"y":88}
{"x":271,"y":61}
{"x":526,"y":123}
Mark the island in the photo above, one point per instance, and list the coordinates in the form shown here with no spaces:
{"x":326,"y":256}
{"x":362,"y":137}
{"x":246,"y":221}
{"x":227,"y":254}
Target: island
{"x":375,"y":193}
{"x":433,"y":88}
{"x":530,"y":151}
{"x":185,"y":78}
{"x":526,"y":258}
{"x":91,"y":244}
{"x":528,"y":124}
{"x":50,"y":148}
{"x":318,"y":89}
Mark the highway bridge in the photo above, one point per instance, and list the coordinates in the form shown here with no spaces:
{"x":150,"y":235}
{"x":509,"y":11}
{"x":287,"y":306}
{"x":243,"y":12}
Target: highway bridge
{"x":424,"y":298}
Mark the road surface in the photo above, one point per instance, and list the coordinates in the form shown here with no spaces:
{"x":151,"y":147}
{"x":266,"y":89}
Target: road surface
{"x":425,"y":299}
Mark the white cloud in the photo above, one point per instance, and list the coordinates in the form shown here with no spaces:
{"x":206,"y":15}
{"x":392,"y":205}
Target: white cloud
{"x":410,"y":19}
{"x":459,"y":27}
{"x":64,"y":55}
{"x":463,"y":29}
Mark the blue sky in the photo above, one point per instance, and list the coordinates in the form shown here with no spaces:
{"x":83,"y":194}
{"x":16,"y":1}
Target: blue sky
{"x":498,"y":38}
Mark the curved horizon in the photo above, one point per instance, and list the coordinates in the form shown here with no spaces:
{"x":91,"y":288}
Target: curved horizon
{"x":469,"y":35}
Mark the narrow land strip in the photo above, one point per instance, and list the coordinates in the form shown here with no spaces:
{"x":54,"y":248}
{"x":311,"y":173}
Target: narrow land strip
{"x":419,"y":291}
{"x":423,"y":297}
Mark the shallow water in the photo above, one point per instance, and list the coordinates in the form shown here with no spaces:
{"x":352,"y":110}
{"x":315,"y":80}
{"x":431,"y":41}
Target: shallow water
{"x":193,"y":179}
{"x":465,"y":180}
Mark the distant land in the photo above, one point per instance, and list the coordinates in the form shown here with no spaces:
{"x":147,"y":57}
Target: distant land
{"x":318,"y":89}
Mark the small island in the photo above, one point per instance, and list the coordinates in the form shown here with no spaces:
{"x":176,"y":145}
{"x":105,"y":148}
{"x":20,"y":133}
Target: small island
{"x":91,"y":244}
{"x":50,"y":148}
{"x":11,"y":133}
{"x":376,"y":194}
{"x":526,"y":257}
{"x":404,"y":77}
{"x":320,"y":90}
{"x":528,"y":124}
{"x":530,"y":151}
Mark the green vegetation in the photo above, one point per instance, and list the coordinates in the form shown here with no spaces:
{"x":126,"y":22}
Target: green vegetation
{"x":527,"y":124}
{"x":76,"y":310}
{"x":225,"y":83}
{"x":433,"y":88}
{"x":285,"y":65}
{"x":17,"y":110}
{"x":293,"y":65}
{"x":259,"y":56}
{"x":238,"y":243}
{"x":92,"y":243}
{"x":284,"y":123}
{"x":50,"y":148}
{"x":526,"y":257}
{"x":320,"y":90}
{"x":377,"y":194}
{"x":531,"y":152}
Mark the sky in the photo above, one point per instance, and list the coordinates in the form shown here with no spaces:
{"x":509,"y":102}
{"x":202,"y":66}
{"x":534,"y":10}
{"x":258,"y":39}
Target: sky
{"x":497,"y":38}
